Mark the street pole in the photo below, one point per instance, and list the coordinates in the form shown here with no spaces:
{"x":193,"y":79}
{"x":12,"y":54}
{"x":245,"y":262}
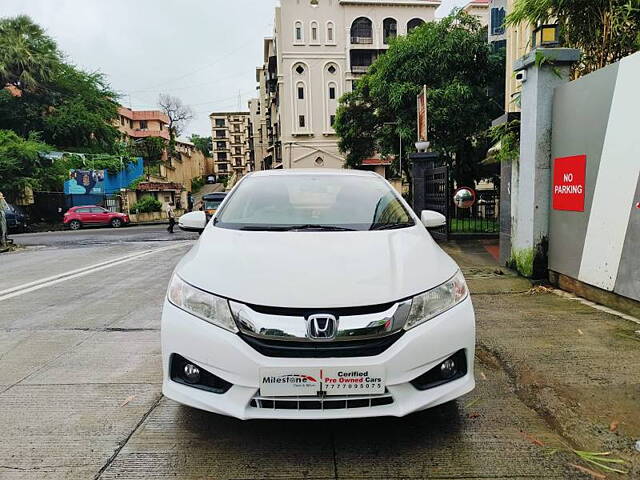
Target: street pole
{"x":401,"y":176}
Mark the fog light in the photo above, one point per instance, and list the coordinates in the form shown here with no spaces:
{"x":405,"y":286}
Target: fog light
{"x":191,"y":373}
{"x":448,"y":368}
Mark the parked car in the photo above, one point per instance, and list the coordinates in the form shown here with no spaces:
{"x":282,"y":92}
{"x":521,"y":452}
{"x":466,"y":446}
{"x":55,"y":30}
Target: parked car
{"x":211,"y":179}
{"x":91,"y":215}
{"x":17,"y":219}
{"x":315,"y":295}
{"x":211,"y":203}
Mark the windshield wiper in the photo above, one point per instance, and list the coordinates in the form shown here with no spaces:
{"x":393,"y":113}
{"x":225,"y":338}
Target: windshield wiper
{"x":264,"y":228}
{"x":391,"y":226}
{"x":324,"y":228}
{"x":292,"y":228}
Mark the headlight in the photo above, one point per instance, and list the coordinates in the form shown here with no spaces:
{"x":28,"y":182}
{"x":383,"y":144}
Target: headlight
{"x":204,"y":305}
{"x":437,"y":300}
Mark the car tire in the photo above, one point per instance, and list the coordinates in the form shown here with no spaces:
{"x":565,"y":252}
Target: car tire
{"x":116,"y":223}
{"x":75,"y":225}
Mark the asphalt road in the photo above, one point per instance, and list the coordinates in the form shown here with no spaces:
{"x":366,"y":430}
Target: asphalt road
{"x":80,"y":389}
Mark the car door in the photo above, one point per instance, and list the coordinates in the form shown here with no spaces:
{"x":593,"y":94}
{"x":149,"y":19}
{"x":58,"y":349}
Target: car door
{"x":100,"y":215}
{"x":84,"y":215}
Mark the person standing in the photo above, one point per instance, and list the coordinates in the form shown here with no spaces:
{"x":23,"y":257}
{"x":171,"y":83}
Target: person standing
{"x":172,"y":217}
{"x":3,"y":221}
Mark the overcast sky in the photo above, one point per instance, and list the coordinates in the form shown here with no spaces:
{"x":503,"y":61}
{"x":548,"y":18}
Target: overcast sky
{"x":202,"y":51}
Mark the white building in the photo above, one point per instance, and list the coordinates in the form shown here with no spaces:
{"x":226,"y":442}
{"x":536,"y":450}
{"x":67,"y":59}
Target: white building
{"x":479,"y":9}
{"x":318,"y":50}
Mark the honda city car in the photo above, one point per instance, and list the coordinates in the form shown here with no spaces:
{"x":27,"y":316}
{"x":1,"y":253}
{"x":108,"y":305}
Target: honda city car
{"x":92,"y":215}
{"x":317,"y":294}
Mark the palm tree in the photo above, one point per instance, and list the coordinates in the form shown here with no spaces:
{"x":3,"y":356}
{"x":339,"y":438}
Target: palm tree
{"x":28,"y":57}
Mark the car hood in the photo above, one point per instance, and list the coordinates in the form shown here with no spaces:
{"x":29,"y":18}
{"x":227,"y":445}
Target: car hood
{"x":316,"y":269}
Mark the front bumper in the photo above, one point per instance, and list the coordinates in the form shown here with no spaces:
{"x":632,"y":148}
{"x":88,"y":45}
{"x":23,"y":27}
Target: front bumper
{"x":227,"y":356}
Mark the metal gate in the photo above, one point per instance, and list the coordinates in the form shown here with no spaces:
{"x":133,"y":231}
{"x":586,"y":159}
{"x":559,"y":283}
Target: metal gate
{"x":437,"y":197}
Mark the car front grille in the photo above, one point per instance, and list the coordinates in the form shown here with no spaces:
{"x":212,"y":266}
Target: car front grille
{"x":332,"y":349}
{"x":321,"y":403}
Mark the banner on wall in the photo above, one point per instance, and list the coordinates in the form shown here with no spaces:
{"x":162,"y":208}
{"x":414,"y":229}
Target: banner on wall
{"x":85,"y":182}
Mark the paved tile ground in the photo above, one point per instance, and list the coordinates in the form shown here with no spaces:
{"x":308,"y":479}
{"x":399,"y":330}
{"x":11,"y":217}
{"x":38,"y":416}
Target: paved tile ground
{"x":80,"y":392}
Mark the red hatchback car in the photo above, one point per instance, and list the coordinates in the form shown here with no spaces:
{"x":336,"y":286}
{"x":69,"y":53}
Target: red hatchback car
{"x":78,"y":217}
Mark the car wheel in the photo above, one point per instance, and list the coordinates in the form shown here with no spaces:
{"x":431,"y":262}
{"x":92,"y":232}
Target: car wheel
{"x":116,"y":223}
{"x":75,"y":225}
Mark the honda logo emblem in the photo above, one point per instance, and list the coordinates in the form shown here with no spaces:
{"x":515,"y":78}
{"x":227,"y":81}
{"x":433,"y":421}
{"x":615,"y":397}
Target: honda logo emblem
{"x":322,"y":327}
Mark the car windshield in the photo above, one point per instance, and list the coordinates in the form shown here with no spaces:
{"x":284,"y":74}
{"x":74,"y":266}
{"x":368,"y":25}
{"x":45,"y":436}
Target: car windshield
{"x":313,"y":202}
{"x":212,"y":204}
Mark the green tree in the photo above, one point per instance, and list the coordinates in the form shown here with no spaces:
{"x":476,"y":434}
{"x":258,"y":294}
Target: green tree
{"x":453,"y":59}
{"x":604,"y":30}
{"x":28,"y":57}
{"x":152,"y":150}
{"x":71,"y":109}
{"x":20,"y":161}
{"x":203,"y":144}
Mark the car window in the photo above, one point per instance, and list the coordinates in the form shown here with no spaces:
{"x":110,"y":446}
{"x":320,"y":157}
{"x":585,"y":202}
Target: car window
{"x":353,"y":202}
{"x":97,"y":210}
{"x":83,"y":210}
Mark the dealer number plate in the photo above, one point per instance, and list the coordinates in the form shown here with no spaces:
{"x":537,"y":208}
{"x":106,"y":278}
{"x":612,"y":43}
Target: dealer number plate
{"x":285,"y":382}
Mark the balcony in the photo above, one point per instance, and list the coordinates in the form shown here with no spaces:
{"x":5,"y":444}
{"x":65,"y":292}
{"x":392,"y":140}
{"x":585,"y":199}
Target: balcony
{"x":361,"y":40}
{"x":359,"y":68}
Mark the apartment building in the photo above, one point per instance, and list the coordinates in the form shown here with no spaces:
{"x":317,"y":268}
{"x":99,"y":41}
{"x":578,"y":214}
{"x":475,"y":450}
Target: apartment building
{"x":135,"y":124}
{"x":171,"y":180}
{"x":318,"y":50}
{"x":258,"y":127}
{"x":232,"y":146}
{"x":479,"y":9}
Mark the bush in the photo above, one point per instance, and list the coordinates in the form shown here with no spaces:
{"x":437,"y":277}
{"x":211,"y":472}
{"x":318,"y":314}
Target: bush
{"x":197,"y":183}
{"x":146,"y":204}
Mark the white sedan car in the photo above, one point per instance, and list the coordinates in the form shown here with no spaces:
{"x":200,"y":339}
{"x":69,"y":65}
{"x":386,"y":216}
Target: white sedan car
{"x":317,"y":294}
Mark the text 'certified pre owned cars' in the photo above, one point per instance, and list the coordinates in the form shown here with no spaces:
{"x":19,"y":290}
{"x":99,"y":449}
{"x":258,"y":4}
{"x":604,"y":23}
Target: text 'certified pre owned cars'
{"x":317,"y":294}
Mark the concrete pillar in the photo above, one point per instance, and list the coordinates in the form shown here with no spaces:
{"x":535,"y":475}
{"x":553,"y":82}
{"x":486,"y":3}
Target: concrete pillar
{"x":541,"y":71}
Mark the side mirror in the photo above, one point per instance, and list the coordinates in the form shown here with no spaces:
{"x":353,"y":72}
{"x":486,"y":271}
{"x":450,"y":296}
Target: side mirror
{"x":431,"y":219}
{"x":193,"y":222}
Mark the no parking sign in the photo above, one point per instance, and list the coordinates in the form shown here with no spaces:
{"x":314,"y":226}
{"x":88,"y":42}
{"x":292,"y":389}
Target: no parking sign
{"x":569,"y":175}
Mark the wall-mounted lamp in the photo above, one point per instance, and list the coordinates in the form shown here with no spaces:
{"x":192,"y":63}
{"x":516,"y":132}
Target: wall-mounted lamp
{"x":546,"y":36}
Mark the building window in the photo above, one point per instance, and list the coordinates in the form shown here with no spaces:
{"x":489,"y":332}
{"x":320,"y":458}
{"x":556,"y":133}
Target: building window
{"x":301,"y":121}
{"x":362,"y":30}
{"x":300,"y":69}
{"x":319,"y":162}
{"x":299,"y":32}
{"x":221,"y":145}
{"x":389,"y":29}
{"x":122,"y":120}
{"x":237,"y":139}
{"x":314,"y":31}
{"x":332,"y":69}
{"x":222,"y":156}
{"x":330,"y":32}
{"x":332,"y":93}
{"x":497,"y":21}
{"x":221,"y":133}
{"x":238,"y":151}
{"x":300,"y":93}
{"x":332,"y":120}
{"x":414,"y":23}
{"x":220,"y":122}
{"x":223,"y":167}
{"x":143,"y":125}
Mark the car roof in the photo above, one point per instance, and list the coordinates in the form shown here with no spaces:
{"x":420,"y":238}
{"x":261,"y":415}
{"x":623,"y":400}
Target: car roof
{"x":313,"y":171}
{"x":84,"y":206}
{"x":214,"y":196}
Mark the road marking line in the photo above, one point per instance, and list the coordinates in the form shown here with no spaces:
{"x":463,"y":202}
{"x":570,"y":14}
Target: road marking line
{"x":80,"y":272}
